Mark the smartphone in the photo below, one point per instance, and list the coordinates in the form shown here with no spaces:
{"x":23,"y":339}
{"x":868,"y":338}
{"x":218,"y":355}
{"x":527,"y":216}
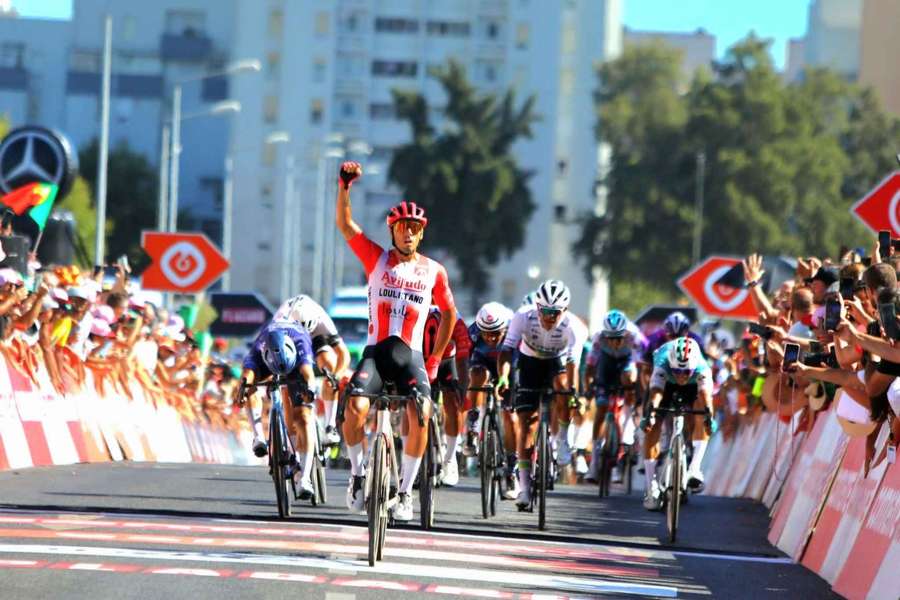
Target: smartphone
{"x":110,"y":271}
{"x":760,"y":330}
{"x":884,"y":243}
{"x":832,"y":314}
{"x":888,"y":314}
{"x":791,"y":355}
{"x":847,"y":285}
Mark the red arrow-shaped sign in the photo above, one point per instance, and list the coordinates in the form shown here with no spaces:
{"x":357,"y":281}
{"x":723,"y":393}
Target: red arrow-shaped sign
{"x":182,"y":262}
{"x":718,"y":300}
{"x":880,"y":209}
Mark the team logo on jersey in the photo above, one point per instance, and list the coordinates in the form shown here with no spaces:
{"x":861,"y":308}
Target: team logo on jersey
{"x":397,"y":282}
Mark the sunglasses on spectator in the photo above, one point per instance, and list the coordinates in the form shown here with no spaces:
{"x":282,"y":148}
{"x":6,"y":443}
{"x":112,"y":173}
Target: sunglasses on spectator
{"x":550,"y":312}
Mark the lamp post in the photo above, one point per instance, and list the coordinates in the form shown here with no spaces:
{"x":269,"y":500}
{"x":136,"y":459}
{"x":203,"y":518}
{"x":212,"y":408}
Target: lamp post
{"x":287,"y":266}
{"x":102,"y":163}
{"x":241,"y":66}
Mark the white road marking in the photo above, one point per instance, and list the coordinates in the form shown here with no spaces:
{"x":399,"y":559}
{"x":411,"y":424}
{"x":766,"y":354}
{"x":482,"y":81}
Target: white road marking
{"x":523,"y":579}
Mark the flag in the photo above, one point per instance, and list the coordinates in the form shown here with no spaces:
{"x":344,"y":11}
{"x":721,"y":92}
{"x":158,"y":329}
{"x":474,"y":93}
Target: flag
{"x":33,"y":199}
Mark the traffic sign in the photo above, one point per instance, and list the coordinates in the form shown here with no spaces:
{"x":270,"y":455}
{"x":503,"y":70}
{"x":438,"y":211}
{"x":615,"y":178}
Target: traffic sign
{"x":880,"y":209}
{"x":182,"y":262}
{"x":240,"y":314}
{"x":701,"y":285}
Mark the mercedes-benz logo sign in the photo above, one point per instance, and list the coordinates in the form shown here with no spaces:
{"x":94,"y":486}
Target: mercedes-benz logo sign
{"x":36,"y":154}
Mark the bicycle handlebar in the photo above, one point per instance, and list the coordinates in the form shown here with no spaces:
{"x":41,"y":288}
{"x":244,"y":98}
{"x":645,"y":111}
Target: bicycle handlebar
{"x":682,"y":411}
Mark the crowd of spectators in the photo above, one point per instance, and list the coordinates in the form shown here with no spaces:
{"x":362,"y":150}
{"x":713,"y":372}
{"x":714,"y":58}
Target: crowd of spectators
{"x":63,"y":321}
{"x":829,"y":336}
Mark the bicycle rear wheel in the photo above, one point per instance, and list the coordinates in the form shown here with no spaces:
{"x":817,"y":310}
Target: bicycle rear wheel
{"x":629,"y":451}
{"x":543,"y":474}
{"x":603,"y":471}
{"x":375,"y":503}
{"x":496,"y":467}
{"x":276,"y":458}
{"x":673,"y":506}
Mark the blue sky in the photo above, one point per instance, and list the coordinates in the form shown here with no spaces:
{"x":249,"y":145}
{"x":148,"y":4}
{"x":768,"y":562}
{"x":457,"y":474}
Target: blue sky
{"x":728,"y":20}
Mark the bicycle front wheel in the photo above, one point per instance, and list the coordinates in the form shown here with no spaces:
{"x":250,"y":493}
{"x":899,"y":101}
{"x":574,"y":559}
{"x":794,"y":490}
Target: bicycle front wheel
{"x":276,"y":458}
{"x":426,"y":478}
{"x":673,"y":506}
{"x":543,"y":474}
{"x":375,"y":503}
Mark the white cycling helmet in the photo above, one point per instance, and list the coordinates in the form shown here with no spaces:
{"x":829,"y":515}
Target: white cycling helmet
{"x":493,"y":316}
{"x":683,"y":354}
{"x":553,"y":293}
{"x":301,"y":309}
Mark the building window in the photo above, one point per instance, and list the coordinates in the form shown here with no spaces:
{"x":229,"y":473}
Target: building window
{"x":270,"y":109}
{"x":273,"y":66}
{"x":348,"y":107}
{"x":320,"y":66}
{"x":350,"y":66}
{"x":185,"y":22}
{"x":322,"y":23}
{"x":488,"y":71}
{"x":381,"y":111}
{"x":492,"y":30}
{"x":276,"y":23}
{"x":12,"y":55}
{"x":559,"y":213}
{"x":129,"y":28}
{"x":268,"y":158}
{"x":264,"y":246}
{"x":396,"y":25}
{"x":394,"y":68}
{"x":349,"y":23}
{"x":316,"y":112}
{"x":522,"y":35}
{"x":448,"y":28}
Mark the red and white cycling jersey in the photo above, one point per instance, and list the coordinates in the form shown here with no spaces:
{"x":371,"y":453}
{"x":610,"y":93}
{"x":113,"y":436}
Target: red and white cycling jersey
{"x":400,"y":292}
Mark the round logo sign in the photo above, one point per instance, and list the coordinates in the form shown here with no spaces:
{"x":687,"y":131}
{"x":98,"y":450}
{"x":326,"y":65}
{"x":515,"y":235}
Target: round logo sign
{"x":723,"y":297}
{"x":33,"y":154}
{"x":183,"y":263}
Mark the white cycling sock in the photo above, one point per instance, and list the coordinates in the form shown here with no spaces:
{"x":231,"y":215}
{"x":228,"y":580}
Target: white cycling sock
{"x":304,"y":460}
{"x":330,"y":412}
{"x":583,"y":435}
{"x":452,"y":441}
{"x":410,"y":472}
{"x":255,"y":420}
{"x":649,"y":470}
{"x":699,"y":451}
{"x":355,"y":453}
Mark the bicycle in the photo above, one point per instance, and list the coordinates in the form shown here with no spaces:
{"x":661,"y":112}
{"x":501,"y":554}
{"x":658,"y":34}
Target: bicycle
{"x":492,"y":458}
{"x":382,"y":476}
{"x":543,"y":473}
{"x":674,"y":473}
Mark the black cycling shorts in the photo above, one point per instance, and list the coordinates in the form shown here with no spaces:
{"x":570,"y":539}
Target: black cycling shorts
{"x":535,"y":373}
{"x":321,"y":343}
{"x":391,"y":360}
{"x":447,"y":375}
{"x":684,"y":394}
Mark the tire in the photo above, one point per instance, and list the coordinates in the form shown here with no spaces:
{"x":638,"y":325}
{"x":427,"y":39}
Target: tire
{"x":673,"y":506}
{"x":603,"y":473}
{"x":543,"y":467}
{"x":629,"y":470}
{"x":486,"y":472}
{"x":276,"y":445}
{"x":426,"y":479}
{"x":320,"y":481}
{"x":376,"y":500}
{"x":496,"y":465}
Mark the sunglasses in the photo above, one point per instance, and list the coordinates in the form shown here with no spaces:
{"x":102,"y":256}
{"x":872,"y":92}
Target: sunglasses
{"x":682,"y":372}
{"x":550,"y":312}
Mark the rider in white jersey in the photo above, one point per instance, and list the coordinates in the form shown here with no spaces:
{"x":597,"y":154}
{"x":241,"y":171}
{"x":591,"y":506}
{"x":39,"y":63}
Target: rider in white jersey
{"x":330,"y":350}
{"x":549,"y":342}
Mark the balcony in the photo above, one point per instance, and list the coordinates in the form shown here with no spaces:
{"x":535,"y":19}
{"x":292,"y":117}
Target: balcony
{"x":13,"y":78}
{"x":188,"y":46}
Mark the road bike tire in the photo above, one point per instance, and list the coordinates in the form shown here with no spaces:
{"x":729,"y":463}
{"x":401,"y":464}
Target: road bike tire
{"x":375,"y":503}
{"x":427,"y":478}
{"x":603,"y":474}
{"x":487,"y":473}
{"x":543,"y":475}
{"x":496,"y":469}
{"x":673,"y":506}
{"x":279,"y":478}
{"x":629,"y":469}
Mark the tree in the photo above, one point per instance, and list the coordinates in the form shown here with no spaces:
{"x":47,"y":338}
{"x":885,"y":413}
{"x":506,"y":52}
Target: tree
{"x":80,"y":202}
{"x":131,"y":198}
{"x":466,"y":177}
{"x":783,"y":162}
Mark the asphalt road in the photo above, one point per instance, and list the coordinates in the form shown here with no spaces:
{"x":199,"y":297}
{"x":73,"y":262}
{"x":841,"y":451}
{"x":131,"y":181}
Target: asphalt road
{"x":131,"y":530}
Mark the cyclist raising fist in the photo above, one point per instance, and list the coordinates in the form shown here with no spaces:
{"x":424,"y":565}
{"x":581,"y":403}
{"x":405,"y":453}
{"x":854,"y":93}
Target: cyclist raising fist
{"x":403,"y":284}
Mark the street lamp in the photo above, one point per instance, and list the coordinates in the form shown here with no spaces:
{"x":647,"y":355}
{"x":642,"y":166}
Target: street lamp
{"x":234,"y":68}
{"x":163,"y":216}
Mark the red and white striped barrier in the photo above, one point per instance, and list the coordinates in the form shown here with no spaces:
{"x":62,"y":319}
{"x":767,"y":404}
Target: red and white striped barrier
{"x":102,"y":421}
{"x":827,"y":512}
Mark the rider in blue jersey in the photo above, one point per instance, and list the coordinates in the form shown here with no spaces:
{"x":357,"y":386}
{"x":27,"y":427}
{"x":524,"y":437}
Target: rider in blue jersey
{"x":284,"y":348}
{"x":679,"y":372}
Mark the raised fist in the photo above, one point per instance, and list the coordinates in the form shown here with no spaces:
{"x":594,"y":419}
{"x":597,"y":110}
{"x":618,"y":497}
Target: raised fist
{"x":350,"y":172}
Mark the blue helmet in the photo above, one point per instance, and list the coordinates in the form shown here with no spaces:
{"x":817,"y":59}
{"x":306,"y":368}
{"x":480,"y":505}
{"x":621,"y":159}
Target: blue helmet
{"x":676,"y":324}
{"x":279,"y":352}
{"x":615,"y":324}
